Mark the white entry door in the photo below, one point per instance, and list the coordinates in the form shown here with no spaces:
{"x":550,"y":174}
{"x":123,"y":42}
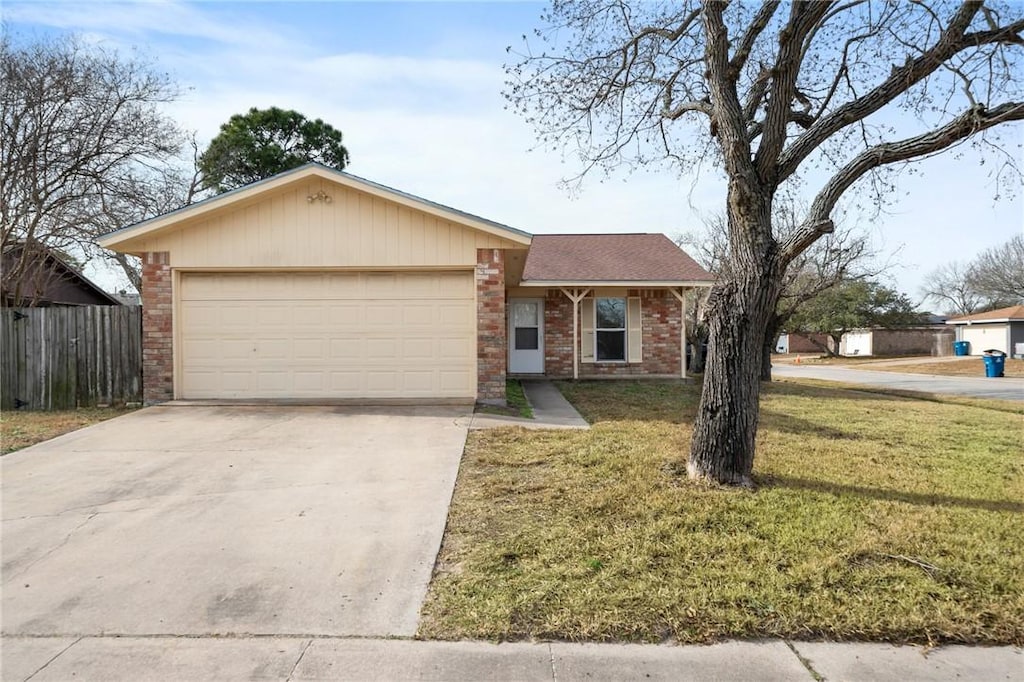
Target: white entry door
{"x":526,"y":336}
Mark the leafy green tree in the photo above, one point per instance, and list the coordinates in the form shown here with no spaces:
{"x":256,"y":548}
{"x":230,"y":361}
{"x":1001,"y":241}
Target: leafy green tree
{"x":264,"y":142}
{"x":853,"y":304}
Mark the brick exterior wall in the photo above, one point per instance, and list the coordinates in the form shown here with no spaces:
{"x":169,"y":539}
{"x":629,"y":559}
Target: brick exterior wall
{"x":557,"y":334}
{"x":491,"y":342}
{"x":660,"y":312}
{"x":157,"y":338}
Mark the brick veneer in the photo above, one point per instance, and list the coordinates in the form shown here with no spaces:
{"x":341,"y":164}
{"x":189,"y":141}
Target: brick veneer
{"x":157,"y":338}
{"x":660,"y":313}
{"x":491,"y":340}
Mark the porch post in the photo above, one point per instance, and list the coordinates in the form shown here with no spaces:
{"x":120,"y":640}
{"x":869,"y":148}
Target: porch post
{"x":682,"y":336}
{"x":575,"y":335}
{"x":576,"y":296}
{"x":681,"y":295}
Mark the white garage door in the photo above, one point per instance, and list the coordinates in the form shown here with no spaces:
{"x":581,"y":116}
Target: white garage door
{"x":983,"y":337}
{"x":857,"y":343}
{"x":327,"y":335}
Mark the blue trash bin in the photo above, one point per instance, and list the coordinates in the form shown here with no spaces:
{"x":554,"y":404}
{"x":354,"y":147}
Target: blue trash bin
{"x":961,"y":347}
{"x":995,"y":362}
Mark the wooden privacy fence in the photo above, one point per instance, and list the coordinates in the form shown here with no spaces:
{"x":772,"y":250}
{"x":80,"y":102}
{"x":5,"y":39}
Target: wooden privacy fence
{"x":65,"y":357}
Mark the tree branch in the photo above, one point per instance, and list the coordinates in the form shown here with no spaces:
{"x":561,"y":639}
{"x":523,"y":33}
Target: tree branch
{"x":727,"y":119}
{"x":953,"y":40}
{"x":972,"y":121}
{"x":804,"y":16}
{"x":750,"y":36}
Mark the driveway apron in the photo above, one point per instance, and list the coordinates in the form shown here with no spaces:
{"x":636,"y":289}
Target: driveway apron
{"x":230,"y":520}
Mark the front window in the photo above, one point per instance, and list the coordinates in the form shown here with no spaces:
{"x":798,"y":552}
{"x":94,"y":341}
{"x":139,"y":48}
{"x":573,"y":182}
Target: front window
{"x":611,"y":329}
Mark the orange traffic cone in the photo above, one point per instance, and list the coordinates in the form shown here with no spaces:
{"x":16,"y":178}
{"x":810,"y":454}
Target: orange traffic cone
{"x":798,"y":359}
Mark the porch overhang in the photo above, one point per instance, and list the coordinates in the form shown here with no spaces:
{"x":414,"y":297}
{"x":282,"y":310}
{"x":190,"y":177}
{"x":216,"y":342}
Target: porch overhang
{"x":577,"y":290}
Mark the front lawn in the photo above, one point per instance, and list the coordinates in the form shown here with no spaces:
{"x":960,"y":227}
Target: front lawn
{"x":876,"y":517}
{"x":965,"y":367}
{"x":20,"y":429}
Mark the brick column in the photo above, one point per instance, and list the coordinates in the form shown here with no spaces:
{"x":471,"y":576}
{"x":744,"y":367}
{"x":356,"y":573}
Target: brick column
{"x":491,"y":341}
{"x":157,"y":339}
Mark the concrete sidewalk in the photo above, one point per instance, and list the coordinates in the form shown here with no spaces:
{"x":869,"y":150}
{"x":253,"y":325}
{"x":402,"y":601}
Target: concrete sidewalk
{"x":157,"y":658}
{"x":550,"y":410}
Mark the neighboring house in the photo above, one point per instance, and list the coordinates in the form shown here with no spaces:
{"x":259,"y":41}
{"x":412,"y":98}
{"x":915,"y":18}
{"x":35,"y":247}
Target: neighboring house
{"x":1001,"y":329}
{"x":41,"y":278}
{"x":803,"y":342}
{"x":923,"y":340}
{"x":316,"y":284}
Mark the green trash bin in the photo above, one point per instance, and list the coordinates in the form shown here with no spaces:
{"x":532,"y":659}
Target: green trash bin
{"x":995,"y":362}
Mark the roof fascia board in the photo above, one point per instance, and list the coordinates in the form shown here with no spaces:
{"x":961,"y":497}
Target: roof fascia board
{"x":615,"y":283}
{"x":1002,"y":320}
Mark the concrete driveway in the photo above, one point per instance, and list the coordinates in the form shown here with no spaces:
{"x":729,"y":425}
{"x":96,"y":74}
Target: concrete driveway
{"x":229,"y":520}
{"x":1003,"y":388}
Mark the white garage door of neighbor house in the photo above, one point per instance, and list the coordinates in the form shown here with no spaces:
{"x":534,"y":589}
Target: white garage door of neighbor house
{"x":985,"y":337}
{"x":857,"y":343}
{"x":327,"y":335}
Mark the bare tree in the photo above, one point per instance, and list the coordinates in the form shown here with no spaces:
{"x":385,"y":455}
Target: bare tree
{"x":950,"y":286}
{"x":997,"y":274}
{"x":845,"y":255}
{"x":995,"y":279}
{"x":84,"y":146}
{"x":832,"y":94}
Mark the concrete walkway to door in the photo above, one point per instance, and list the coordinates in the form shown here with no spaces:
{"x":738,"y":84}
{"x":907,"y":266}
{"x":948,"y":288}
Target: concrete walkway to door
{"x":550,"y":410}
{"x":229,"y":521}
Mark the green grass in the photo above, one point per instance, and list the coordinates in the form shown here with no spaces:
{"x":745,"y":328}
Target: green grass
{"x":517,"y":403}
{"x":20,"y":429}
{"x":517,"y":398}
{"x":876,"y":517}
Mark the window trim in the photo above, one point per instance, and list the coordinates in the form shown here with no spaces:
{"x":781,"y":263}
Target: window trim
{"x":624,"y":329}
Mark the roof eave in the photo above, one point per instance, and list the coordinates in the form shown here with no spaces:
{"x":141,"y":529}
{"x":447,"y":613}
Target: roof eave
{"x":551,"y":283}
{"x":1001,"y":320}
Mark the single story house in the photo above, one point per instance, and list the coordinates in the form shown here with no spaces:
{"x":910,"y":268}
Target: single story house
{"x":38,"y":277}
{"x":316,"y":284}
{"x":803,"y":342}
{"x":924,"y":340}
{"x":1001,"y":329}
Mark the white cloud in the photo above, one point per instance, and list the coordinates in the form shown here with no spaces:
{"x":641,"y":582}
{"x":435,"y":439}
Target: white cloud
{"x":436,"y":127}
{"x":144,"y":19}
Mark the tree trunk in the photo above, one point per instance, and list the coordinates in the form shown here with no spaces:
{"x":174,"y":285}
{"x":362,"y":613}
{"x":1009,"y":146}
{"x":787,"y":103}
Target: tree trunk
{"x":771,"y":338}
{"x":837,"y":340}
{"x":724,"y":431}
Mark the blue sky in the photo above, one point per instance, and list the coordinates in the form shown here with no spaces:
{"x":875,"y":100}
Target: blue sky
{"x":416,"y":90}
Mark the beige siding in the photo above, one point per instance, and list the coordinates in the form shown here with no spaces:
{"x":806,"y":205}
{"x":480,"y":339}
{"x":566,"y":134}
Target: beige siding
{"x":283,"y":230}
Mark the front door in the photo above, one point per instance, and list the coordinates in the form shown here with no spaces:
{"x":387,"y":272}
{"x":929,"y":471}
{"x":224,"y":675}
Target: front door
{"x":526,"y":336}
